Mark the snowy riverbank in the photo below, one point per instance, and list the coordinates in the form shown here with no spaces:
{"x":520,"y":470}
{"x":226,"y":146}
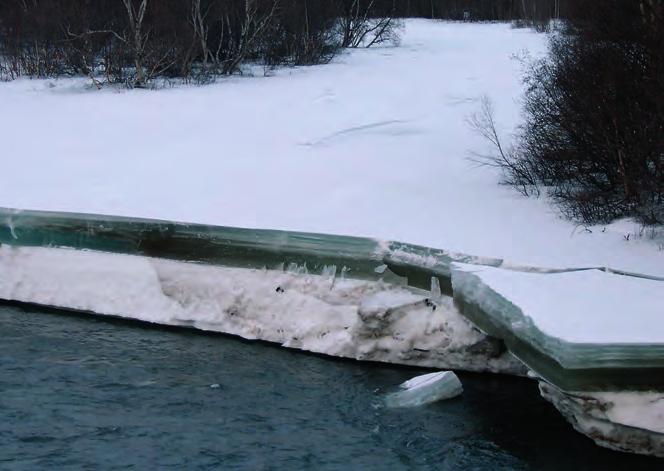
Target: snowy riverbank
{"x":373,"y":144}
{"x":324,"y":313}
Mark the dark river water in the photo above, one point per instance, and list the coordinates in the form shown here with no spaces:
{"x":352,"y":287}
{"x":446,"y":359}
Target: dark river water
{"x":81,"y":392}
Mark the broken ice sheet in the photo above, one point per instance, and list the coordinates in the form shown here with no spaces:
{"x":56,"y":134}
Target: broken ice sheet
{"x":425,"y":389}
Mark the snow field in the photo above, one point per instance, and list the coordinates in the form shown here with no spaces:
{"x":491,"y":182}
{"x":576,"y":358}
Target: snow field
{"x":373,"y":144}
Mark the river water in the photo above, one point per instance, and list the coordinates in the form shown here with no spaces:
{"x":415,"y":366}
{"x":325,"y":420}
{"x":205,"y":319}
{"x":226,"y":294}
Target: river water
{"x":84,"y":392}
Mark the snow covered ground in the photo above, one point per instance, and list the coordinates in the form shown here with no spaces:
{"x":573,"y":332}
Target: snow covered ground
{"x":373,"y":144}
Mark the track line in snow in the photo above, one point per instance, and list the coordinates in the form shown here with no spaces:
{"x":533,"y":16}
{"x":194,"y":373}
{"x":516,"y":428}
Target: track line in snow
{"x":361,"y":129}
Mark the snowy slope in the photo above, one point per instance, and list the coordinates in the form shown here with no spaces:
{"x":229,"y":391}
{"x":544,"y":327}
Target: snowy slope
{"x":373,"y":144}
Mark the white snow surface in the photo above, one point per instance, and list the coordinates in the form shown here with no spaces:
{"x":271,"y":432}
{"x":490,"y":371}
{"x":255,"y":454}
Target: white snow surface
{"x":589,"y":306}
{"x":374,"y":144}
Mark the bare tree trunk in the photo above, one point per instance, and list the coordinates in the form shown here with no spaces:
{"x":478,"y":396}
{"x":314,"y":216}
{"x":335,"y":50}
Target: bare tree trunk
{"x":138,"y":38}
{"x":198,"y":21}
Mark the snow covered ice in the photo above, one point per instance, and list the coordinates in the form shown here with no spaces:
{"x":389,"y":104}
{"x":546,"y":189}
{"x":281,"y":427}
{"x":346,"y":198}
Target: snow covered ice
{"x":585,"y":306}
{"x":425,"y":389}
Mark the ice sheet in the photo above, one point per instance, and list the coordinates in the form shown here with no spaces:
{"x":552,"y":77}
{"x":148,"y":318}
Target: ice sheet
{"x":589,"y":306}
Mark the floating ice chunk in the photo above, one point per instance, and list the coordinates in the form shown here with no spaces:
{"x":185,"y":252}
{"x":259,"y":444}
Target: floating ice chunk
{"x":424,"y":389}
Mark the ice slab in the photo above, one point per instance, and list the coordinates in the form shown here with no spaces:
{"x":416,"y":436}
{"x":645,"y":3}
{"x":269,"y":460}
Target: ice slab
{"x":587,"y":306}
{"x":425,"y":389}
{"x":588,"y":322}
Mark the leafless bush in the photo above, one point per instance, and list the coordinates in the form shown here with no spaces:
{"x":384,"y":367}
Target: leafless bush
{"x":594,"y":108}
{"x":136,"y":41}
{"x":360,"y":27}
{"x":516,"y":172}
{"x":594,"y":116}
{"x":305,"y":35}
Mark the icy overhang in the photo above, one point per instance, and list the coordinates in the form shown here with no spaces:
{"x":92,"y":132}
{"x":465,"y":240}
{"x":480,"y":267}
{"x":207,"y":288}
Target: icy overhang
{"x":581,"y":330}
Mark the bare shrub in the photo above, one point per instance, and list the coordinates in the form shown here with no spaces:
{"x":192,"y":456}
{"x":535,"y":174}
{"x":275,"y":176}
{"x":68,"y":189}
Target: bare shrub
{"x":516,"y":172}
{"x":594,"y":116}
{"x":137,"y":41}
{"x":360,"y":26}
{"x":594,"y":132}
{"x":304,"y":35}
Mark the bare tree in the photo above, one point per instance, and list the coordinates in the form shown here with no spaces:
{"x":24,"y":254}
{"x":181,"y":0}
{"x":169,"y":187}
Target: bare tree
{"x":198,"y":19}
{"x":138,"y":38}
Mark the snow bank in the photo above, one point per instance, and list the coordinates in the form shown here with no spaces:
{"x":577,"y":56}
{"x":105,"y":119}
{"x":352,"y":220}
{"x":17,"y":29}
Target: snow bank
{"x":366,"y":320}
{"x":374,"y":144}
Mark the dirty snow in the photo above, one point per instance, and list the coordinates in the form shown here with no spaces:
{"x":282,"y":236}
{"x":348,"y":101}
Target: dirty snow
{"x":364,"y":320}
